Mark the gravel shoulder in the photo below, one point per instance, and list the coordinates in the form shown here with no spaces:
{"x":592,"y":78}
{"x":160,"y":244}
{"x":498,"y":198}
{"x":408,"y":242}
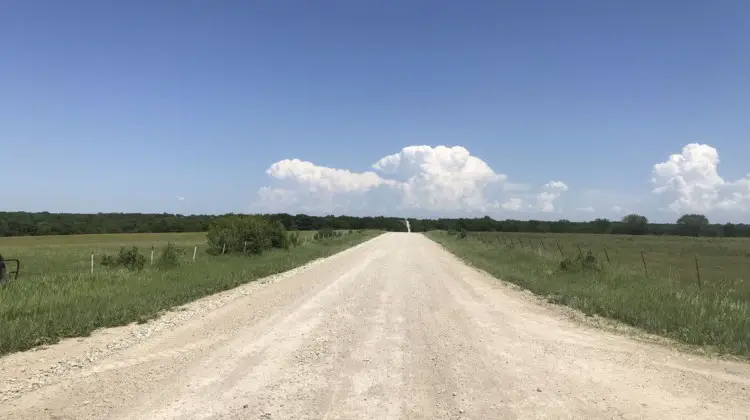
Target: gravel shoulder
{"x":395,"y":327}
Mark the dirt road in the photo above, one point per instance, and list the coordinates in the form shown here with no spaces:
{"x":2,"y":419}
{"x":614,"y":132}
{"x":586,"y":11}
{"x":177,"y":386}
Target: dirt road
{"x":395,"y":328}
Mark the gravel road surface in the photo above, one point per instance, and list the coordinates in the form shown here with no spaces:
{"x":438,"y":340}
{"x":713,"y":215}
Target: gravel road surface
{"x":395,"y":328}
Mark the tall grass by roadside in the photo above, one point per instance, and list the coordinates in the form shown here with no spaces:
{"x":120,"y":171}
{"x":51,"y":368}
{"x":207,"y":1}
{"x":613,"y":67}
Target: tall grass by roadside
{"x":57,"y":297}
{"x":711,"y":316}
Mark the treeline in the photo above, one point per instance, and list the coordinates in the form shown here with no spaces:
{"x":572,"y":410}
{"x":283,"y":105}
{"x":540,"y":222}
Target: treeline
{"x":29,"y":224}
{"x":633,"y":224}
{"x":34,"y":224}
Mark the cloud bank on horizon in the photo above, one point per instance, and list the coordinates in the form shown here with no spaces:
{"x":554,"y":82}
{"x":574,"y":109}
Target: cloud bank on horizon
{"x":433,"y":181}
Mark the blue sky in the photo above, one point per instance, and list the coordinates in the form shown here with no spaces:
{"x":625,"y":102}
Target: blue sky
{"x":543,"y":109}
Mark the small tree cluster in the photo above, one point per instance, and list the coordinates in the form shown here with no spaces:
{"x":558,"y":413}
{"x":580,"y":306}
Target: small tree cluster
{"x":242,"y":233}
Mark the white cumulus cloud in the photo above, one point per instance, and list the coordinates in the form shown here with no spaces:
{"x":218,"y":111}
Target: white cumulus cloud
{"x":691,"y":182}
{"x":513,"y":204}
{"x":429,"y":180}
{"x":545,"y":200}
{"x":322,"y":178}
{"x":556,"y":185}
{"x":440,"y":178}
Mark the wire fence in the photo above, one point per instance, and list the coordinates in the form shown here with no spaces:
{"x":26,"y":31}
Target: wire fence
{"x":723,"y":270}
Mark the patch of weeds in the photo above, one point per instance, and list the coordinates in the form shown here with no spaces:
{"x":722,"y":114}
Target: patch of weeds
{"x":129,"y":258}
{"x":170,"y":257}
{"x":582,"y":262}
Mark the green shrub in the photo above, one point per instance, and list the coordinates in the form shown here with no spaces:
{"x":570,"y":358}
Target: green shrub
{"x":293,"y":239}
{"x":462,"y":234}
{"x":170,"y":256}
{"x":241,"y":233}
{"x":108,"y":261}
{"x":581,"y":262}
{"x":129,"y":258}
{"x":278,"y":236}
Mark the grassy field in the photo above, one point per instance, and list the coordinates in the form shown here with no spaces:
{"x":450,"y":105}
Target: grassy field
{"x":56,"y":295}
{"x":71,"y":254}
{"x":665,"y":297}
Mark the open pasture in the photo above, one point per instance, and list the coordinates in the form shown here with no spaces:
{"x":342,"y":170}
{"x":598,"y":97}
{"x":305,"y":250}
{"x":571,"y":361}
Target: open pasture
{"x":57,"y":294}
{"x":707,"y":306}
{"x":722,"y":263}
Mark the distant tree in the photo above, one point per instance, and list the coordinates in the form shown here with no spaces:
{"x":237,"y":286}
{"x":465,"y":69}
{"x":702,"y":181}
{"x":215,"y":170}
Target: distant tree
{"x":560,"y":226}
{"x":730,"y":230}
{"x":543,"y":227}
{"x":635,"y":224}
{"x":601,"y":225}
{"x":691,"y":224}
{"x":43,"y":228}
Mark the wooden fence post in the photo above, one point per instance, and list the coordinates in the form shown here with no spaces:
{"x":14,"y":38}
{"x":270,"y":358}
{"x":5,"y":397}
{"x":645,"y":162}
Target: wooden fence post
{"x":244,"y":248}
{"x":195,"y":250}
{"x":92,"y":263}
{"x":645,"y":268}
{"x":607,"y":254}
{"x":698,"y":273}
{"x":152,"y":255}
{"x":223,"y":249}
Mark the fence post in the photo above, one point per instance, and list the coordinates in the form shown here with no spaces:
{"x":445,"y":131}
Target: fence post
{"x":607,"y":254}
{"x":244,"y":249}
{"x":152,"y":255}
{"x":223,"y":249}
{"x":698,"y":273}
{"x":92,"y":263}
{"x":195,"y":251}
{"x":645,"y":268}
{"x":560,"y":249}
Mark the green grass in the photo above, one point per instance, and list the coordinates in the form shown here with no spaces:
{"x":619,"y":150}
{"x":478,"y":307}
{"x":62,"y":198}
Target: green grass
{"x":56,"y":295}
{"x":669,"y":301}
